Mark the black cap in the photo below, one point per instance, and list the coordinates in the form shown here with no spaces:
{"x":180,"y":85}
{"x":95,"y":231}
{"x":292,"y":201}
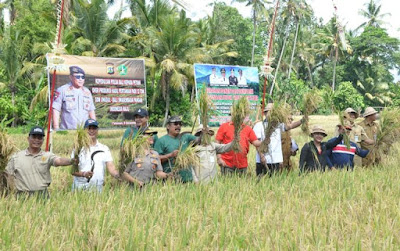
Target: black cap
{"x":174,"y":119}
{"x":223,"y":70}
{"x":91,"y":122}
{"x":141,"y":112}
{"x":36,"y":130}
{"x":240,"y":70}
{"x":76,"y":69}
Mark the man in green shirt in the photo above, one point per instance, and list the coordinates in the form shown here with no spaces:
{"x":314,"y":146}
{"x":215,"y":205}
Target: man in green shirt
{"x":141,"y":117}
{"x":168,"y":147}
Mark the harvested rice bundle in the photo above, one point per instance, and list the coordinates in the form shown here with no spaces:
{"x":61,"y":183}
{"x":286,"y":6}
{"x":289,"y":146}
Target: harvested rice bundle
{"x":240,"y":111}
{"x":81,"y":143}
{"x":206,"y":108}
{"x":346,"y":138}
{"x":311,"y":101}
{"x":278,"y":114}
{"x":186,"y":159}
{"x":7,"y":149}
{"x":388,"y":134}
{"x":131,"y":149}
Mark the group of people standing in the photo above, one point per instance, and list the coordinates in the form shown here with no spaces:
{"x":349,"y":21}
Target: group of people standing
{"x":30,"y":168}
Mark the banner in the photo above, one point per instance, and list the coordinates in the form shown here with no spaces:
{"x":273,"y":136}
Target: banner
{"x":225,"y":83}
{"x":105,"y":89}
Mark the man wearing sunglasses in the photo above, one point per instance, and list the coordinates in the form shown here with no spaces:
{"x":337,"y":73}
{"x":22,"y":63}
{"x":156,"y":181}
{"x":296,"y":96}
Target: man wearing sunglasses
{"x":169,"y":145}
{"x":73,"y":102}
{"x":30,"y":168}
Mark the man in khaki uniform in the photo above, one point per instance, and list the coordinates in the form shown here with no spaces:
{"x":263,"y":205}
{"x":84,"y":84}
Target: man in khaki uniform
{"x":371,"y":128}
{"x":357,"y":133}
{"x":30,"y":168}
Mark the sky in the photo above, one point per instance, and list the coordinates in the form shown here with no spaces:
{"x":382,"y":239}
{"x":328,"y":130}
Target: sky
{"x":347,"y":11}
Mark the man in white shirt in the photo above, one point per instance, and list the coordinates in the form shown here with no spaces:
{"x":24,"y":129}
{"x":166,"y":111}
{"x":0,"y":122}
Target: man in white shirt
{"x":213,"y":77}
{"x":224,"y":80}
{"x":269,"y":162}
{"x":92,"y":163}
{"x":242,"y":81}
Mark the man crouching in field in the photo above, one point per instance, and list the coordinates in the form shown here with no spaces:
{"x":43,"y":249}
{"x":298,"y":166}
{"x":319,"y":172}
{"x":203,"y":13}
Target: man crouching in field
{"x":30,"y":168}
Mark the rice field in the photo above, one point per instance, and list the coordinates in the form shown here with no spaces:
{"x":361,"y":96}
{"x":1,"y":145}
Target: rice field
{"x":357,"y":210}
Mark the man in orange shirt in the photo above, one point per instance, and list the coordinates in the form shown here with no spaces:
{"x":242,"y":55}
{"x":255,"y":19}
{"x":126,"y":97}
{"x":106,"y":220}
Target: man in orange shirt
{"x":232,"y":162}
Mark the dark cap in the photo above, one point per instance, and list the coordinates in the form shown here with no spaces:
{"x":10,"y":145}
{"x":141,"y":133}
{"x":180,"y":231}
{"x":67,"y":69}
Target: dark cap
{"x":75,"y":69}
{"x":150,"y":132}
{"x":223,"y":70}
{"x":174,"y":119}
{"x":240,"y":70}
{"x":91,"y":122}
{"x":36,"y":130}
{"x":141,"y":112}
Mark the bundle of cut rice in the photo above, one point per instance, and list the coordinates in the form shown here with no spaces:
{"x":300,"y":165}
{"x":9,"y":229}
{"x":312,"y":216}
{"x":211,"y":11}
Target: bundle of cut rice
{"x":7,"y":149}
{"x":346,"y":138}
{"x":388,"y":134}
{"x":81,"y":143}
{"x":311,"y":101}
{"x":240,"y":110}
{"x":186,"y":159}
{"x":278,"y":114}
{"x":207,"y":109}
{"x":131,"y":149}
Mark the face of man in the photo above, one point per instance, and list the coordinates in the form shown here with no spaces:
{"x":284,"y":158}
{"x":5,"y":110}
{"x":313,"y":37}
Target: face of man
{"x":223,"y":74}
{"x":240,"y":73}
{"x":174,"y":128}
{"x":352,"y":115}
{"x":150,"y":139}
{"x":140,"y":120}
{"x":232,"y":73}
{"x":214,"y":72}
{"x":77,"y":80}
{"x":93,"y":131}
{"x":372,"y":117}
{"x":35,"y":141}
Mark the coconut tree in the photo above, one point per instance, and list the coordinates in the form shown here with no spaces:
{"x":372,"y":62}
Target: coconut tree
{"x":372,"y":14}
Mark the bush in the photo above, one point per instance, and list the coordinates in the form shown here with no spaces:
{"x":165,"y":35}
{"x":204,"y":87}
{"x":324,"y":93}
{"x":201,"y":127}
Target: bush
{"x":347,"y":96}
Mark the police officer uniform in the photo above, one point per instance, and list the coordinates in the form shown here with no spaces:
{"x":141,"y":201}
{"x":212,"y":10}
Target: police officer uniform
{"x":74,"y":104}
{"x":371,"y":129}
{"x":143,"y":168}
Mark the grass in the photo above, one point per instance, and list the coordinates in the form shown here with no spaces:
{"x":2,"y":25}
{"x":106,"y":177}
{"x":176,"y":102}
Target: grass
{"x":332,"y":210}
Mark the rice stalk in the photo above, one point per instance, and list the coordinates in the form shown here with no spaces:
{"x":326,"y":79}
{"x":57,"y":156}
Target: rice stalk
{"x":7,"y":149}
{"x":240,"y":111}
{"x":346,"y":138}
{"x":278,"y":114}
{"x":388,"y":134}
{"x":131,"y":149}
{"x":185,"y":159}
{"x":311,"y":101}
{"x":206,"y":108}
{"x":81,"y":143}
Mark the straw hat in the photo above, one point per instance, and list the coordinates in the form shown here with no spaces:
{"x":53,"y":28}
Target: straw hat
{"x":351,"y":110}
{"x":200,"y":129}
{"x":318,"y":129}
{"x":369,"y":111}
{"x":269,"y":107}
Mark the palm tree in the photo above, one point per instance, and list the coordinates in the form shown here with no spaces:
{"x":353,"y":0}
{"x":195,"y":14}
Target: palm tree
{"x":259,"y":11}
{"x":372,"y":13}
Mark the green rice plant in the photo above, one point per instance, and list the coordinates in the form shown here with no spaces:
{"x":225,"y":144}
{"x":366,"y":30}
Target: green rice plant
{"x":240,"y":110}
{"x":131,"y":149}
{"x":388,"y":134}
{"x":206,"y":109}
{"x":278,"y":114}
{"x":81,"y":143}
{"x":346,"y":138}
{"x":311,"y":101}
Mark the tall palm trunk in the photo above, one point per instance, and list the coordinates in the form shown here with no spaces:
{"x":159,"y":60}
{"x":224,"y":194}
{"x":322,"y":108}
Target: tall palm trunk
{"x":294,"y":47}
{"x":254,"y":37}
{"x":278,"y":65}
{"x":334,"y":69}
{"x":167,"y":96}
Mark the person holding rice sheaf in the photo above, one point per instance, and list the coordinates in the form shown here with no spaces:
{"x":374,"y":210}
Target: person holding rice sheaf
{"x":169,"y":145}
{"x":269,"y":162}
{"x":93,"y":162}
{"x":313,"y":155}
{"x":207,"y":154}
{"x":146,"y":167}
{"x":342,"y":155}
{"x":30,"y":168}
{"x":371,"y":129}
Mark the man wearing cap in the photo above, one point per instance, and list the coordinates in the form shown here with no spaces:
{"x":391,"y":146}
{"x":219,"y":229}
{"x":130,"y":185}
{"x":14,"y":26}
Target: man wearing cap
{"x":231,"y":162}
{"x":357,"y":133}
{"x":73,"y":101}
{"x":242,"y":81}
{"x":342,"y":156}
{"x":30,"y":168}
{"x":233,"y":81}
{"x":371,"y":129}
{"x":169,"y":145}
{"x":141,"y":117}
{"x":313,"y":155}
{"x":92,"y":163}
{"x":145,"y":168}
{"x":270,"y":162}
{"x":223,"y":80}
